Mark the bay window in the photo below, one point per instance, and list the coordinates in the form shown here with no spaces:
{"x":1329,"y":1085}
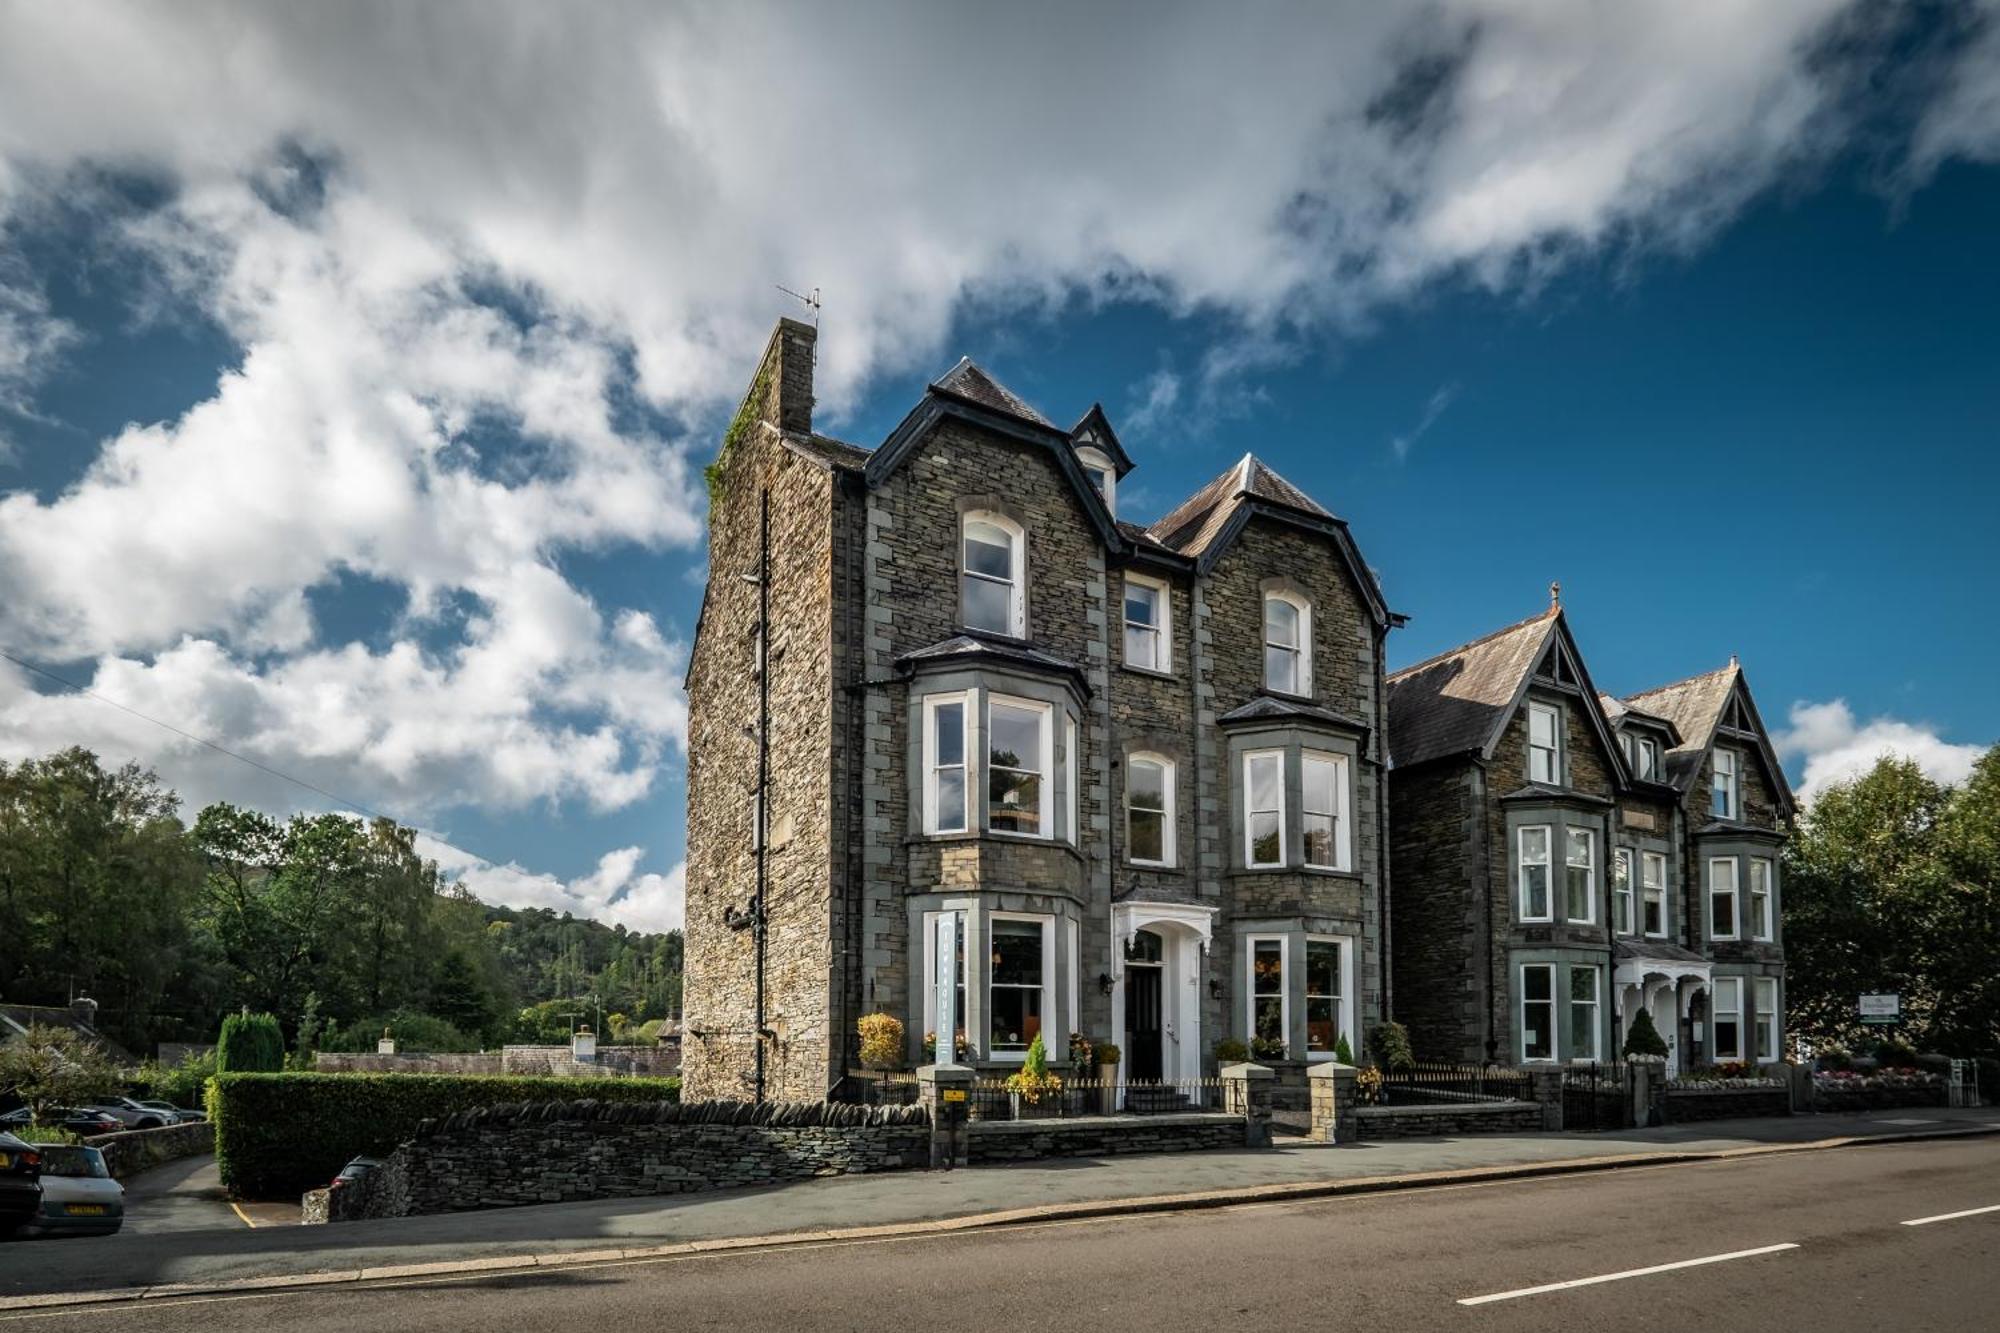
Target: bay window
{"x":1764,"y":995}
{"x":1725,"y":799}
{"x":1538,"y":1011}
{"x":1762,"y":924}
{"x":1323,"y":803}
{"x":1269,"y":1011}
{"x":1149,"y":810}
{"x":1653,"y":889}
{"x":1580,"y":876}
{"x":944,"y":764}
{"x":1287,"y":643}
{"x":1146,"y":632}
{"x":992,"y":574}
{"x":1015,"y":986}
{"x":1583,"y":1013}
{"x":1264,"y":811}
{"x":1534,"y":874}
{"x":1017,"y":766}
{"x":1726,"y":1018}
{"x":1722,"y":920}
{"x":1621,"y":891}
{"x":1326,"y":1020}
{"x":1544,"y":745}
{"x":1069,"y":777}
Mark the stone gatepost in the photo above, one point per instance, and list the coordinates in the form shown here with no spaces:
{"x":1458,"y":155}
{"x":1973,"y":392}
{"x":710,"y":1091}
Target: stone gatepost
{"x":1333,"y":1102}
{"x":1546,"y":1087}
{"x":945,"y":1092}
{"x":1645,"y":1073}
{"x":1247,"y":1091}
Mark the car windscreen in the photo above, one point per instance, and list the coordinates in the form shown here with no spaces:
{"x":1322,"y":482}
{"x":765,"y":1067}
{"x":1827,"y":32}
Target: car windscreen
{"x":60,"y":1159}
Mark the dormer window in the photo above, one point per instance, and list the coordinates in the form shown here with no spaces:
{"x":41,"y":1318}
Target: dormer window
{"x":1102,"y":476}
{"x":1544,"y":745}
{"x":992,"y":574}
{"x":1287,"y":636}
{"x":1642,"y":753}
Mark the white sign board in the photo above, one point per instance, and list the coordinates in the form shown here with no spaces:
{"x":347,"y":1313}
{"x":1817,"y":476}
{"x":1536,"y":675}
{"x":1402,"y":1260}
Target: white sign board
{"x":1881,"y":1008}
{"x":945,"y":950}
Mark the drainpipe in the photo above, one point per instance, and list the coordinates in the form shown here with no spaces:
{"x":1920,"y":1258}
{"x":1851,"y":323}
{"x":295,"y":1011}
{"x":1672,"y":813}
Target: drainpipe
{"x":1486,"y":944}
{"x":1382,"y":868}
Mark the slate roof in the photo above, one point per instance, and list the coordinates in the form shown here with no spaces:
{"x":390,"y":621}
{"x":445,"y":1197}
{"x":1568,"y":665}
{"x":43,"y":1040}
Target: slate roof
{"x":1693,"y":706}
{"x":1453,"y":703}
{"x":16,"y":1019}
{"x":834,"y":453}
{"x":1201,"y":517}
{"x":1639,"y":951}
{"x":1264,"y":707}
{"x":968,"y":381}
{"x":969,"y":647}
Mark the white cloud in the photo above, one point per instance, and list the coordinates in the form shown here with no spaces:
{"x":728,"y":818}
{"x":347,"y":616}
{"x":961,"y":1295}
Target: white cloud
{"x":1433,"y":409}
{"x":615,"y":892}
{"x":1835,"y":746}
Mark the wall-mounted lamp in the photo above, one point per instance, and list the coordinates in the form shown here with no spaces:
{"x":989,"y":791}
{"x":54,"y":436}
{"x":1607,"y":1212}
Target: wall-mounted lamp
{"x":1105,"y":983}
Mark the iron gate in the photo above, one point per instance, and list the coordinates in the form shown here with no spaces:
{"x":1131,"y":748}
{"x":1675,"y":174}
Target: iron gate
{"x":1597,"y":1097}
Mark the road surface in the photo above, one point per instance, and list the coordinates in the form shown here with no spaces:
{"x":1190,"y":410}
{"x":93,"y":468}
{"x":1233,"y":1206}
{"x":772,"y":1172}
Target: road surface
{"x":1819,"y":1240}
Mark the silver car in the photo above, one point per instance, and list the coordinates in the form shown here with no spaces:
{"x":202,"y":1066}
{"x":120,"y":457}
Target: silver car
{"x":79,"y":1197}
{"x":134,"y":1115}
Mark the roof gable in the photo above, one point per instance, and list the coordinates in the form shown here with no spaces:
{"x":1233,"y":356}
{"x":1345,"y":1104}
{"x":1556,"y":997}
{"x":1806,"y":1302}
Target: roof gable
{"x":1701,"y":708}
{"x":968,"y":381}
{"x":1094,"y":432}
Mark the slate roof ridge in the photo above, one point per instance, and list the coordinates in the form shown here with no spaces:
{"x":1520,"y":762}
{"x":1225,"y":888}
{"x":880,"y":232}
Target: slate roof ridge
{"x":1479,"y":642}
{"x":1628,"y":700}
{"x":972,"y":381}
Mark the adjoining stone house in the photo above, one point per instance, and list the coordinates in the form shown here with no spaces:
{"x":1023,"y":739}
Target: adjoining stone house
{"x":1563,"y":858}
{"x":1130,"y":778}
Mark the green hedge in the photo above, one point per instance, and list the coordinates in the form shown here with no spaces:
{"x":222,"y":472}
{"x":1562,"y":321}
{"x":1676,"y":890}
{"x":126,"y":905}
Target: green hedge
{"x":279,"y":1135}
{"x":250,"y":1042}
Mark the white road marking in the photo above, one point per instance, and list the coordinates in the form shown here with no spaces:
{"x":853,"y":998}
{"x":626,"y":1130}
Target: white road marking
{"x":1952,"y":1217}
{"x":1630,"y":1272}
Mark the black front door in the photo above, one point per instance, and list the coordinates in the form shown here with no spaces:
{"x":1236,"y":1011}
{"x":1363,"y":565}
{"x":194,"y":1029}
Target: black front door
{"x":1142,"y":1024}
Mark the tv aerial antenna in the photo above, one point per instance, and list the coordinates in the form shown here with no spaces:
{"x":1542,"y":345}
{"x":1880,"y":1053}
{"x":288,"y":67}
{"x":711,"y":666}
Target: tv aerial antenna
{"x":810,"y":302}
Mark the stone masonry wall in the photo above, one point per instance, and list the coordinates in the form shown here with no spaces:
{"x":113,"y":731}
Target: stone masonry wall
{"x":1419,"y":1122}
{"x":502,"y":1157}
{"x":720,"y":1032}
{"x":990,"y":1142}
{"x":1440,"y":966}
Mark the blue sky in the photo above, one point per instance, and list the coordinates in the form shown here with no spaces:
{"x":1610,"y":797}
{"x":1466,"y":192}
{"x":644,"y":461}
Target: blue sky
{"x":353,"y":392}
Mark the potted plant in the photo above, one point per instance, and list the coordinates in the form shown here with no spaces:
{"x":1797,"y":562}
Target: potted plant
{"x":959,"y":1047}
{"x":1231,"y":1051}
{"x":1267,"y":1048}
{"x":1032,"y":1089}
{"x":1108,"y":1056}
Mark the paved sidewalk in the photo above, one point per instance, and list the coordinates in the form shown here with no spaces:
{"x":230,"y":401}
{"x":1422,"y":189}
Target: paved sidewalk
{"x":900,"y":1199}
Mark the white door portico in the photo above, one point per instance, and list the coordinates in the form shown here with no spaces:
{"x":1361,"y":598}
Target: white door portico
{"x":1184,"y":931}
{"x":1662,"y":979}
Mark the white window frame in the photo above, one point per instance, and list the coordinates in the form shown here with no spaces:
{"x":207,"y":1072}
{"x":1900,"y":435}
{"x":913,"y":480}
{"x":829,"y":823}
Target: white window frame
{"x":1302,"y":651}
{"x":1728,"y":783}
{"x":1070,"y":759}
{"x":1345,"y":976}
{"x":1624,"y":892}
{"x":1763,"y":919}
{"x":1521,"y":864}
{"x":1045,"y":827}
{"x":932,"y":703}
{"x":1018,"y":573}
{"x":1250,"y":811}
{"x":1596,"y":1003}
{"x":1343,"y":856}
{"x":1162,"y":632}
{"x":1767,"y":1030}
{"x":945,"y":1052}
{"x":1733,"y":892}
{"x":1646,"y":758}
{"x":1250,"y":943}
{"x":1717,"y":1011}
{"x":1647,"y":886}
{"x":1553,"y":749}
{"x":1521,"y":1003}
{"x":1097,"y":465}
{"x":1589,"y":867}
{"x":1051,"y":1020}
{"x":1167,"y":792}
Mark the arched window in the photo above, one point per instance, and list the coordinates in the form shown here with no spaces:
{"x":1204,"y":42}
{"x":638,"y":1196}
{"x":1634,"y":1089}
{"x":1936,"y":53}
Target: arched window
{"x":1287,"y":643}
{"x":993,"y":567}
{"x":1149,"y":810}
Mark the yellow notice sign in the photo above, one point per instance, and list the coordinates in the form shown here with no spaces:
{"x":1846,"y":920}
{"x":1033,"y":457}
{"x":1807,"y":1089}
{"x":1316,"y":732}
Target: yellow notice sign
{"x":954,"y":1094}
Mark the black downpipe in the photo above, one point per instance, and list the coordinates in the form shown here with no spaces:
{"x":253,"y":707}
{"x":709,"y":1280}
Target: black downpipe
{"x":1385,"y":906}
{"x":1487,"y":945}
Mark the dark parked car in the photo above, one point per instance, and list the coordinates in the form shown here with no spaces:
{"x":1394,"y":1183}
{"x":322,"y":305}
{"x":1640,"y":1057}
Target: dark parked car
{"x":20,"y":1182}
{"x":77,"y":1120}
{"x":354,"y":1171}
{"x":185,"y":1115}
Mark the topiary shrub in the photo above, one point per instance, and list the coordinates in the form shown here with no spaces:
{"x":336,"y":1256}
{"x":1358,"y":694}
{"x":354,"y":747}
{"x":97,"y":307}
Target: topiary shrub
{"x":881,"y":1040}
{"x":1342,"y":1052}
{"x":250,"y":1044}
{"x":1389,"y":1043}
{"x":1645,"y":1039}
{"x":279,"y":1135}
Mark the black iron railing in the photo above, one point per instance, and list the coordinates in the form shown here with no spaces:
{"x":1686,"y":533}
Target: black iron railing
{"x":1435,"y":1083}
{"x":995,"y":1099}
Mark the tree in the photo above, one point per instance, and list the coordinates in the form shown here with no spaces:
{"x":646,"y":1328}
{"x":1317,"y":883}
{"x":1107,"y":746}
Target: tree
{"x":250,"y":1044}
{"x":459,"y":996}
{"x":1644,"y":1039}
{"x":51,"y":1067}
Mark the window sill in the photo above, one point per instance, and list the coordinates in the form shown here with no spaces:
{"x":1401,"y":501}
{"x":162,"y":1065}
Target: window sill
{"x":1156,"y":867}
{"x":1150,"y":672}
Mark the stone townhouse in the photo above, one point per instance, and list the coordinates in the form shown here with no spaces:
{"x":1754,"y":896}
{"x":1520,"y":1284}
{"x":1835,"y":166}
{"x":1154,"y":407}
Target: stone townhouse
{"x":1564,"y":858}
{"x":950,"y":716}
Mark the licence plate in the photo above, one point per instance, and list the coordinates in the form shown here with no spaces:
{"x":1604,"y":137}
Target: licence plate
{"x":84,"y":1209}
